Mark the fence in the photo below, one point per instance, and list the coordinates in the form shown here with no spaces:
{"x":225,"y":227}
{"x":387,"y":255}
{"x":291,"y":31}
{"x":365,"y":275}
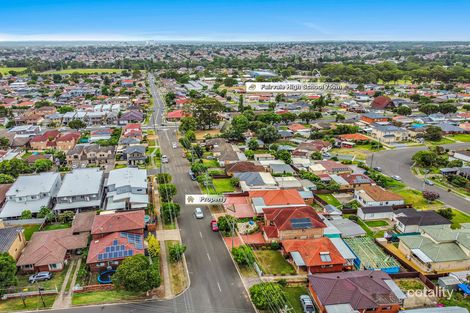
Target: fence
{"x":30,"y":221}
{"x":29,"y":294}
{"x":98,"y":287}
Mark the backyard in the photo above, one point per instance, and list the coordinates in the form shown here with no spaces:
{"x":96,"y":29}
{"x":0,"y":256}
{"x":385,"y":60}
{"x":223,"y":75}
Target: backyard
{"x":376,"y":223}
{"x":272,"y":262}
{"x":330,"y":199}
{"x":56,"y":226}
{"x":29,"y":230}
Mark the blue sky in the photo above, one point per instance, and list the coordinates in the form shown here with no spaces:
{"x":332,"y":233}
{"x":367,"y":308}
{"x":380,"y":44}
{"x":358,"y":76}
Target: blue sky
{"x":234,"y":20}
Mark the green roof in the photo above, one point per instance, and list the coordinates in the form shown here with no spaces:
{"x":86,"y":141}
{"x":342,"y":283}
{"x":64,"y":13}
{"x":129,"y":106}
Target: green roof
{"x":437,"y":252}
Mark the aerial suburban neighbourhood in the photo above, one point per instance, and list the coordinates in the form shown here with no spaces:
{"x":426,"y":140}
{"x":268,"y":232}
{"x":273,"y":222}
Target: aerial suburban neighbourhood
{"x":234,"y":176}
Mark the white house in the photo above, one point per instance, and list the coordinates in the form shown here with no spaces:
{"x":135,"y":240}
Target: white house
{"x":126,"y":189}
{"x":375,"y":196}
{"x":31,"y":193}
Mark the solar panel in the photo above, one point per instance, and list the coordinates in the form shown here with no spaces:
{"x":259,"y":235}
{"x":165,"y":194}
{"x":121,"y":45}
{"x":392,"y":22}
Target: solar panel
{"x":122,"y":247}
{"x":115,"y":242}
{"x":130,"y":252}
{"x":299,"y":223}
{"x":100,"y":257}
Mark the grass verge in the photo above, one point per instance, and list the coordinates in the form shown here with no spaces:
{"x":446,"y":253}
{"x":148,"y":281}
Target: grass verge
{"x":109,"y":296}
{"x":32,"y":303}
{"x":273,"y":262}
{"x":177,"y":271}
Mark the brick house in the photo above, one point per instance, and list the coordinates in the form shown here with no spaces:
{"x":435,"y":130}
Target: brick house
{"x":291,"y":223}
{"x":91,"y":154}
{"x":374,"y":196}
{"x":371,"y":118}
{"x":54,"y":140}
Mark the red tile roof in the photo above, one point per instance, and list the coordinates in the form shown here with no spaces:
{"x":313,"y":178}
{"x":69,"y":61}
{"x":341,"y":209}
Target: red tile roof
{"x":381,"y":102}
{"x":353,"y":137}
{"x":47,"y":136}
{"x":99,"y":246}
{"x":176,"y":114}
{"x":278,"y":197}
{"x":120,"y":221}
{"x":310,"y":250}
{"x":296,"y":127}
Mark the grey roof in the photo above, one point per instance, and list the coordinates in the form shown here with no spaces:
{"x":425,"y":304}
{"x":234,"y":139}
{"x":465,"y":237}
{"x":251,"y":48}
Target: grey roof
{"x":447,"y":309}
{"x":348,"y":228}
{"x":251,"y":178}
{"x":128,"y":177}
{"x":450,"y":128}
{"x":281,"y":168}
{"x":389,"y":128}
{"x":137,"y":148}
{"x":420,"y":218}
{"x":83,"y":181}
{"x":376,"y":209}
{"x":27,"y":185}
{"x":8,"y":236}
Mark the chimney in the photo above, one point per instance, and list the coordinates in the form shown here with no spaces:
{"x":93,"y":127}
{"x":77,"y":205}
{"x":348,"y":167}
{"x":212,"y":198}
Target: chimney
{"x":2,"y":224}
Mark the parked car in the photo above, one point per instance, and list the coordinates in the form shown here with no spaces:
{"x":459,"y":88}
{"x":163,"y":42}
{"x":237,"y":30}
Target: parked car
{"x":175,"y":145}
{"x":198,"y":213}
{"x":164,"y":159}
{"x":396,"y":177}
{"x":429,"y":182}
{"x":307,"y":304}
{"x":41,"y":276}
{"x":378,"y":169}
{"x":214,"y":225}
{"x":191,"y":174}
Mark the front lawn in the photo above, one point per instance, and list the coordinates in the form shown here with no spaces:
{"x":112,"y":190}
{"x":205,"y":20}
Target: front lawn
{"x":461,"y":137}
{"x":223,"y":185}
{"x":293,"y":297}
{"x":55,"y":282}
{"x":32,"y":304}
{"x":459,"y":218}
{"x":97,"y":297}
{"x":56,"y":226}
{"x":29,"y":230}
{"x":443,"y":141}
{"x":210,"y":163}
{"x":376,"y":223}
{"x":415,"y":197}
{"x":330,"y":199}
{"x":272,"y":262}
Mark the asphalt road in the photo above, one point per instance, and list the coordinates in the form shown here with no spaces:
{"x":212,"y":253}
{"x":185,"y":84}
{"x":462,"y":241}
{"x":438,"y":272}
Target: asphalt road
{"x":215,"y":286}
{"x":398,"y":162}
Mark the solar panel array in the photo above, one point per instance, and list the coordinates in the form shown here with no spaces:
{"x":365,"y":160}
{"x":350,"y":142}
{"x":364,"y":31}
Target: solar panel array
{"x":134,"y":239}
{"x":115,"y":251}
{"x":300,"y":223}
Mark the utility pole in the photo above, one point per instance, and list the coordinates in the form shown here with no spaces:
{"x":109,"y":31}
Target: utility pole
{"x":41,"y":289}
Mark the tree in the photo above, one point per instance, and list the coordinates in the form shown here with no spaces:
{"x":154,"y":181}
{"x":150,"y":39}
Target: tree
{"x":316,"y":155}
{"x":340,"y":117}
{"x":458,"y":180}
{"x":241,"y":108}
{"x":187,"y":123}
{"x":446,"y":213}
{"x":42,"y":165}
{"x":430,"y":195}
{"x":206,"y":112}
{"x":230,"y":82}
{"x":190,"y":135}
{"x":6,"y":179}
{"x":253,"y":144}
{"x":446,"y":108}
{"x":4,"y":142}
{"x":198,"y":168}
{"x":226,"y":223}
{"x":66,"y":217}
{"x":267,"y":295}
{"x":42,"y":103}
{"x":153,"y":246}
{"x":403,"y":110}
{"x":26,"y":215}
{"x":308,"y":116}
{"x":342,"y":129}
{"x":429,"y":108}
{"x":7,"y":272}
{"x":167,"y":192}
{"x":46,"y":213}
{"x":176,"y":251}
{"x":238,"y":126}
{"x":433,"y":133}
{"x":65,"y":108}
{"x":284,"y":155}
{"x":15,"y":167}
{"x":163,"y":178}
{"x":235,"y":181}
{"x":170,"y":211}
{"x":288,"y":117}
{"x":268,"y":134}
{"x":243,"y":255}
{"x":76,"y":124}
{"x":424,"y":158}
{"x":136,"y":274}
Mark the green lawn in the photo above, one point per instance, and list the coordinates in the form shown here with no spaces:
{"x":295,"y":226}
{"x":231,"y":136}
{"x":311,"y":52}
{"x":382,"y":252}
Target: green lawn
{"x":370,"y":232}
{"x":415,"y":197}
{"x":55,"y":282}
{"x":272,"y":262}
{"x":97,"y":297}
{"x":459,"y":218}
{"x":330,"y":199}
{"x":456,"y":299}
{"x":32,"y":304}
{"x":461,"y":137}
{"x":376,"y":223}
{"x":86,"y":71}
{"x":177,"y":271}
{"x":210,"y":163}
{"x":26,"y":155}
{"x":29,"y":230}
{"x":5,"y":70}
{"x":223,"y":185}
{"x":293,"y":297}
{"x":56,"y":226}
{"x":443,"y":141}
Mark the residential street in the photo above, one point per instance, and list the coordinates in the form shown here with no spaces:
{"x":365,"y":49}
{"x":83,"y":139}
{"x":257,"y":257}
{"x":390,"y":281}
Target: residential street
{"x":398,"y":162}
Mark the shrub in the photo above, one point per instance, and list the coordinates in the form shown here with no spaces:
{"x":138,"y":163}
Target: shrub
{"x":266,"y":295}
{"x":243,"y":255}
{"x":176,"y":252}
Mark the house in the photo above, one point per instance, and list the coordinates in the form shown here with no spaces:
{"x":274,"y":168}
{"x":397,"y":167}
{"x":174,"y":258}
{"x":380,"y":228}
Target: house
{"x":132,"y":116}
{"x":357,"y":180}
{"x":390,"y":133}
{"x":12,"y":240}
{"x":371,"y":118}
{"x":329,"y":167}
{"x":82,"y":222}
{"x":288,"y":182}
{"x":81,"y":189}
{"x":3,"y":193}
{"x":438,"y":248}
{"x":449,"y":129}
{"x":382,"y":103}
{"x":100,"y":134}
{"x":83,"y":155}
{"x":135,"y":155}
{"x":242,"y":167}
{"x":30,"y":192}
{"x":411,"y":220}
{"x":306,"y":149}
{"x":256,"y":181}
{"x":132,"y":130}
{"x":224,"y":152}
{"x":281,"y":169}
{"x":291,"y":223}
{"x":375,"y":196}
{"x":175,"y":115}
{"x":54,"y":140}
{"x":375,"y":213}
{"x":463,"y":155}
{"x":364,"y":291}
{"x":115,"y":236}
{"x":126,"y":189}
{"x":49,"y":250}
{"x":314,"y":255}
{"x":263,"y":199}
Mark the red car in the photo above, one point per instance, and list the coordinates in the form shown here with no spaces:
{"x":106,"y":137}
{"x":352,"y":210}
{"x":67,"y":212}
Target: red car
{"x":214,"y":226}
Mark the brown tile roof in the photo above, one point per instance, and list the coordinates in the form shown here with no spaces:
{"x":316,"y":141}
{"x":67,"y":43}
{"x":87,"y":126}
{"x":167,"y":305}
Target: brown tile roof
{"x":381,"y":102}
{"x":3,"y":191}
{"x":379,"y":194}
{"x":310,"y":250}
{"x":361,"y":289}
{"x":120,"y":221}
{"x":244,"y":166}
{"x":99,"y":246}
{"x":282,"y":217}
{"x":278,"y":197}
{"x":47,"y":247}
{"x":82,"y":222}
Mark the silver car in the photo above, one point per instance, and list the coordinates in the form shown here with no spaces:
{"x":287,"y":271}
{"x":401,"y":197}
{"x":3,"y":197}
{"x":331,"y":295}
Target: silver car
{"x":39,"y":277}
{"x":307,"y":304}
{"x":198,"y":213}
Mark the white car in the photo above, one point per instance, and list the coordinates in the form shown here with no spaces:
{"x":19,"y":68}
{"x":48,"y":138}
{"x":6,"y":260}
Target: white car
{"x":164,"y":159}
{"x":198,"y":213}
{"x":175,"y":145}
{"x":396,"y":177}
{"x":307,"y":304}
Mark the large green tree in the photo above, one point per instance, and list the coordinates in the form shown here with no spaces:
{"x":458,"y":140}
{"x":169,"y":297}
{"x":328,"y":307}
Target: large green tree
{"x":7,"y":272}
{"x":268,"y":134}
{"x":136,"y":274}
{"x":267,"y":295}
{"x":206,"y":112}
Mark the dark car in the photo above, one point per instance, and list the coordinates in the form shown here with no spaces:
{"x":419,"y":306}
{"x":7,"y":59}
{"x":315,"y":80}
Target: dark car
{"x":191,"y":174}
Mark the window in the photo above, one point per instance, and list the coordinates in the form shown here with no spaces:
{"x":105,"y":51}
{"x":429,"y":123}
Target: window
{"x":28,"y":266}
{"x":54,"y":266}
{"x":100,"y":264}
